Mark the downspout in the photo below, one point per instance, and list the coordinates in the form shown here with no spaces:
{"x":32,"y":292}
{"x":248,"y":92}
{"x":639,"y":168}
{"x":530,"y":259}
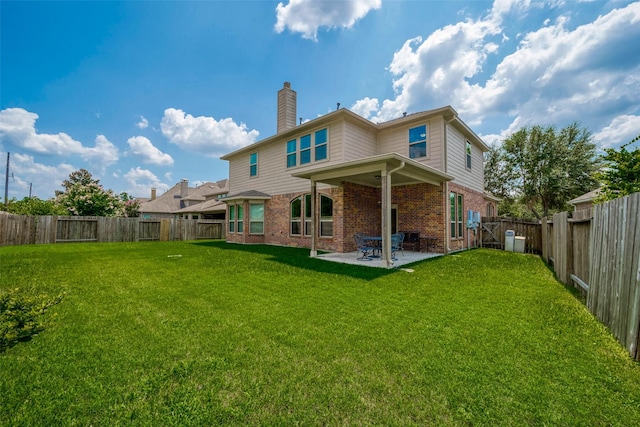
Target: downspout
{"x":386,"y":217}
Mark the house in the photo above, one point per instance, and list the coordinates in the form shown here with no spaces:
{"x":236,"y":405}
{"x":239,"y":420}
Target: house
{"x":584,"y":201}
{"x":317,"y":183}
{"x":182,"y":201}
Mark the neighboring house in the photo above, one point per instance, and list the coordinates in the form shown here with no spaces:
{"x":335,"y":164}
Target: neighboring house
{"x":315,"y":184}
{"x":182,"y":201}
{"x":585,"y":201}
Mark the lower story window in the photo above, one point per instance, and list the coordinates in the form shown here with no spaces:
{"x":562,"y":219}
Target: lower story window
{"x":239,"y":218}
{"x":456,"y":204}
{"x":326,"y":216}
{"x":256,"y":218}
{"x":296,"y":216}
{"x":232,"y":218}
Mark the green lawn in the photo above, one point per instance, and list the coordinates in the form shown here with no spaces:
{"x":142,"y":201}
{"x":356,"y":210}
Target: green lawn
{"x":230,"y":334}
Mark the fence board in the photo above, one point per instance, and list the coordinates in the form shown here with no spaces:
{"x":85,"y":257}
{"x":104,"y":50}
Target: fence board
{"x":23,"y":229}
{"x":493,"y":231}
{"x":614,"y":291}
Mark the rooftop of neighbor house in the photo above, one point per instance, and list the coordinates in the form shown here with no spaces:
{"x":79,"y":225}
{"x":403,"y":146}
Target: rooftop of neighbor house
{"x":170,"y":201}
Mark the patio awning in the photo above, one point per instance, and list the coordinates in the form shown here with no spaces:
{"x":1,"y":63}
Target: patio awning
{"x":383,"y":171}
{"x":368,"y":171}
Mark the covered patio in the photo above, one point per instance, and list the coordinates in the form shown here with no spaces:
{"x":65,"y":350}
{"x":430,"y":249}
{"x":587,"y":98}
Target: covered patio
{"x":384,"y":172}
{"x":401,"y":259}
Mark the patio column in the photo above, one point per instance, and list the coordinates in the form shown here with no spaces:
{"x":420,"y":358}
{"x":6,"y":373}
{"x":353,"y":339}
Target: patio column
{"x":314,"y":251}
{"x":386,"y":218}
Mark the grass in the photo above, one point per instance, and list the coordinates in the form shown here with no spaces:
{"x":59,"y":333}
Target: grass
{"x":230,"y":334}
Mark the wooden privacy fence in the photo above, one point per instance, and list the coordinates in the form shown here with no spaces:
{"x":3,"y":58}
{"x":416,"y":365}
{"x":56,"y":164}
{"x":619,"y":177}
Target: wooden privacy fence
{"x":599,"y":251}
{"x":494,"y":228}
{"x":26,"y":230}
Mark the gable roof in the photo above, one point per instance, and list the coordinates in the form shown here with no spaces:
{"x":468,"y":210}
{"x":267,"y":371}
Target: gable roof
{"x":450,"y":115}
{"x":170,"y":201}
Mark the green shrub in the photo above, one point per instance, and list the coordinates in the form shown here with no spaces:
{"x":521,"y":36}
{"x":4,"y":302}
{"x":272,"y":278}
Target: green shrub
{"x":20,"y":315}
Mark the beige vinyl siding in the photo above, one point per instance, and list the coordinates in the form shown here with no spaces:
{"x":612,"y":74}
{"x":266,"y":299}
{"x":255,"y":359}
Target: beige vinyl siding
{"x":457,"y":161}
{"x":396,"y":140}
{"x":273,"y":175}
{"x":358,"y":143}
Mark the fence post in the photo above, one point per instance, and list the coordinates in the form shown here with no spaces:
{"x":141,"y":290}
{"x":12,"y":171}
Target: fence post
{"x":165,"y":226}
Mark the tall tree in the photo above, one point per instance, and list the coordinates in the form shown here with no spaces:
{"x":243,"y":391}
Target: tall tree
{"x":84,"y":196}
{"x":542,"y":167}
{"x":621,"y":173}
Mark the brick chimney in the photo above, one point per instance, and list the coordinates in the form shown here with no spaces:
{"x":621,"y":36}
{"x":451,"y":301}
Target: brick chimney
{"x":153,"y":193}
{"x":286,"y":108}
{"x":184,"y":187}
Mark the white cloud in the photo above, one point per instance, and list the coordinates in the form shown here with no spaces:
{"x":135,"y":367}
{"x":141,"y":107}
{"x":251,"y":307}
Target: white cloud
{"x":205,"y":135}
{"x":621,"y":130}
{"x":143,"y":123}
{"x":365,"y":107}
{"x":556,"y":75}
{"x":307,"y":16}
{"x":143,"y":148}
{"x":44,"y":180}
{"x":103,"y":154}
{"x":141,"y":181}
{"x":18,"y":126}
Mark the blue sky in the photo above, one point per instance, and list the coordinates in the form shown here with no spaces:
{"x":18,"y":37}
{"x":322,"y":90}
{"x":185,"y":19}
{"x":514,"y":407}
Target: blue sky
{"x":143,"y":94}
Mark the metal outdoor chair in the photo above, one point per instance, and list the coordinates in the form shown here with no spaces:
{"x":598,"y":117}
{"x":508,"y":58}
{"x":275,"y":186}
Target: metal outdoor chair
{"x":396,"y":245}
{"x":363,"y":247}
{"x":411,"y":241}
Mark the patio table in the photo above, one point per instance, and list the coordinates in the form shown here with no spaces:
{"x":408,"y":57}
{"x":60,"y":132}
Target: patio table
{"x":377,"y":242}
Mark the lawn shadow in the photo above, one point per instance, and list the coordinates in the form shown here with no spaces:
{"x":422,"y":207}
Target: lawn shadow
{"x":299,"y":257}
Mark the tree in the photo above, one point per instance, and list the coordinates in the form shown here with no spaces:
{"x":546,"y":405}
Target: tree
{"x":35,"y":206}
{"x":84,"y":196}
{"x":542,"y":168}
{"x":131,"y":206}
{"x":621,"y":174}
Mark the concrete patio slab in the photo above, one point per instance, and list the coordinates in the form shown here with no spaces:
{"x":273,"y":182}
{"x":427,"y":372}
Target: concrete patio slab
{"x":402,"y":259}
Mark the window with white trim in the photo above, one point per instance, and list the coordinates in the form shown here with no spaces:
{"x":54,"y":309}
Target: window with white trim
{"x":292,"y":153}
{"x":240,"y":218}
{"x":232,"y":218}
{"x":468,"y":154}
{"x":256,"y":218}
{"x":296,"y":216}
{"x":307,"y":215}
{"x":456,"y":210}
{"x":326,"y":216}
{"x":253,"y":164}
{"x":310,"y":148}
{"x":418,"y":142}
{"x":320,"y":144}
{"x":305,"y":149}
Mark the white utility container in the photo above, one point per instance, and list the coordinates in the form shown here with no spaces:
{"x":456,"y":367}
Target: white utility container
{"x":508,"y":240}
{"x":518,"y":244}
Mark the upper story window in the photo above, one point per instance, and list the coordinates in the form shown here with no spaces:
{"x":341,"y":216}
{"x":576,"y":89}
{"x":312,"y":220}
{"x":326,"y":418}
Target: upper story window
{"x":309,"y":148}
{"x":305,"y":149}
{"x":292,"y":153}
{"x":253,"y":164}
{"x":321,"y":144}
{"x":468,"y":154}
{"x":418,"y":142}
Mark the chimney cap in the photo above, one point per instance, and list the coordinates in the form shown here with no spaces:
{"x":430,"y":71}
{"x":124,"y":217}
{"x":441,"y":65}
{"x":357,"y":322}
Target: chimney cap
{"x":287,"y":84}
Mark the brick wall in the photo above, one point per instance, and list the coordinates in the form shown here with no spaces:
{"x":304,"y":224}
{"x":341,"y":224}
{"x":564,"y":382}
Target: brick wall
{"x":473,"y":200}
{"x":357,"y":208}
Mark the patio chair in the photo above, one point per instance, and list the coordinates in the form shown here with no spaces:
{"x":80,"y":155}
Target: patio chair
{"x":411,"y":241}
{"x":396,"y":245}
{"x":363,"y":247}
{"x":401,"y":237}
